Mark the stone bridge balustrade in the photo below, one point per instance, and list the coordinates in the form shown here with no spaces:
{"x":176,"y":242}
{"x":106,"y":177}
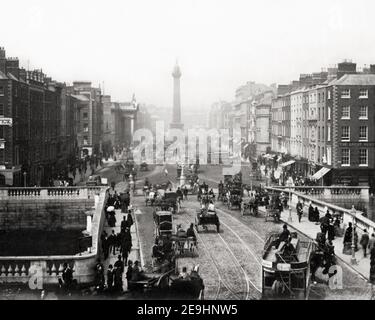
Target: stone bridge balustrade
{"x":332,"y":192}
{"x":50,"y":193}
{"x":20,"y":269}
{"x":346,"y":215}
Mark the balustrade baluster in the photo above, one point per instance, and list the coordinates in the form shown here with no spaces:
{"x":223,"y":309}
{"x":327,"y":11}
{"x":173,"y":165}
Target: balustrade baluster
{"x":16,"y":271}
{"x":3,"y":270}
{"x":61,"y":268}
{"x":53,"y":269}
{"x":23,"y":271}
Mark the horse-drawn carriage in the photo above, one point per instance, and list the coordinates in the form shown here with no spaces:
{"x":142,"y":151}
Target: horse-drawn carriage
{"x":286,"y":267}
{"x":249,"y":205}
{"x":234,"y":198}
{"x":188,"y":286}
{"x":205,"y":199}
{"x":274,"y":209}
{"x":205,"y":218}
{"x":126,"y":169}
{"x":143,"y":166}
{"x":163,"y":223}
{"x":170,"y":285}
{"x":168,"y":201}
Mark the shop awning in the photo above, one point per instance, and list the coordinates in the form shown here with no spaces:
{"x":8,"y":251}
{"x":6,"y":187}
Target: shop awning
{"x":285,"y":164}
{"x":318,"y":175}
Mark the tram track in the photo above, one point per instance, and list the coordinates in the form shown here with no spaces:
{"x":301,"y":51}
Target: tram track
{"x":208,"y":253}
{"x":246,"y":260}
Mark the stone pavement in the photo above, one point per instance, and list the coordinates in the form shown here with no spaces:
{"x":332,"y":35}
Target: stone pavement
{"x":134,"y":254}
{"x":311,"y":229}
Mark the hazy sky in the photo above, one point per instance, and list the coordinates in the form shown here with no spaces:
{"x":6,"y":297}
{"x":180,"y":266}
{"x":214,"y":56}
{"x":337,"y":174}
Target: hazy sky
{"x":132,"y":45}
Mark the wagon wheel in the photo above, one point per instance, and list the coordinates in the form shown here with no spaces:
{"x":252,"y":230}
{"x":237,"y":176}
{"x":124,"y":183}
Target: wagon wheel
{"x":218,"y":228}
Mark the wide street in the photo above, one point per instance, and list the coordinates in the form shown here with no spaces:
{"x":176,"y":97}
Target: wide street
{"x":230,"y":261}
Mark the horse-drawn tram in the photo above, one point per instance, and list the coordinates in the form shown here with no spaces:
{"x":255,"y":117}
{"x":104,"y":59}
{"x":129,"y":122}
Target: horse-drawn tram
{"x":286,"y":267}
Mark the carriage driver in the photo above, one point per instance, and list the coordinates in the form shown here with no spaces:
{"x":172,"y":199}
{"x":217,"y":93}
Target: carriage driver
{"x":211,"y":208}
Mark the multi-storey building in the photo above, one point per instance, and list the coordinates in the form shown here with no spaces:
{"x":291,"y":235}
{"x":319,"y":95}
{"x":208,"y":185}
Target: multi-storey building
{"x":276,"y":124}
{"x":90,"y":117}
{"x":263,"y":123}
{"x":330,"y":125}
{"x":296,"y":101}
{"x":36,"y":125}
{"x":351,"y":117}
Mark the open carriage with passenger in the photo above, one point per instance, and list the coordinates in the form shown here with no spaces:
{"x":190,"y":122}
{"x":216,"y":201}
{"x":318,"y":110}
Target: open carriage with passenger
{"x":205,"y":217}
{"x":184,"y":243}
{"x":143,"y":166}
{"x":286,"y":267}
{"x":187,"y":284}
{"x":172,"y":284}
{"x":178,"y":242}
{"x":250,"y":205}
{"x":234,"y":198}
{"x":126,"y":169}
{"x":164,"y":201}
{"x":274,"y":209}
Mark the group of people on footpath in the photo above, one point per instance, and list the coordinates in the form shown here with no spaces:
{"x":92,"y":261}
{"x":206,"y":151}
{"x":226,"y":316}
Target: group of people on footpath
{"x":120,"y":244}
{"x":331,"y":227}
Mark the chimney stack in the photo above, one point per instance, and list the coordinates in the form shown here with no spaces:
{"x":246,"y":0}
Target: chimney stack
{"x":3,"y":60}
{"x":346,"y":67}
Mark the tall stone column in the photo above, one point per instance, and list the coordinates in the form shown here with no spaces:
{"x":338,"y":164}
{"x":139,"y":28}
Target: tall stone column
{"x":131,"y":128}
{"x":176,"y":116}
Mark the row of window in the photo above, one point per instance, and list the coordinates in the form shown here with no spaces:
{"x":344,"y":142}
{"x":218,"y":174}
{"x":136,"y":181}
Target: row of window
{"x":346,"y":94}
{"x":363,"y":133}
{"x":363,"y":157}
{"x":345,"y":113}
{"x":362,"y":112}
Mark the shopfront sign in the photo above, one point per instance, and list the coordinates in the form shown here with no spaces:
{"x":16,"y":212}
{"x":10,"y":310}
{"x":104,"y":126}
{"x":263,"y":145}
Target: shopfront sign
{"x":6,"y":122}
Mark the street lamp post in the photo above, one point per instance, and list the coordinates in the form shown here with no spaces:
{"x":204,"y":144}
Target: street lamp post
{"x":24,"y":178}
{"x":290,"y":184}
{"x":251,"y":179}
{"x":353,"y":211}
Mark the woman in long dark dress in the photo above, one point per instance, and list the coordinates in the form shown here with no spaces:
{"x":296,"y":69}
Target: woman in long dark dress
{"x":316,"y":214}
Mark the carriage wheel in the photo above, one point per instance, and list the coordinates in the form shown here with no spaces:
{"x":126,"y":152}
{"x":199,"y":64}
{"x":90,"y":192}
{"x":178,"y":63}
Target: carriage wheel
{"x":218,"y":228}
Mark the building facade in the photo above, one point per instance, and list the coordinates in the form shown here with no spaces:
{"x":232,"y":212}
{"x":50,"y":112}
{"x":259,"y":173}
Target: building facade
{"x":90,"y":117}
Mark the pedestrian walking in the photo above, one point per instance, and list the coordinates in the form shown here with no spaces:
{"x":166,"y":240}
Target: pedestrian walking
{"x":316,"y":215}
{"x":364,"y":242}
{"x":185,"y":191}
{"x":99,"y":276}
{"x":371,"y":243}
{"x":105,"y":245}
{"x":129,"y":274}
{"x":127,"y":221}
{"x":119,"y":269}
{"x":112,"y":242}
{"x":311,"y":213}
{"x":299,"y":209}
{"x":331,"y":230}
{"x":110,"y":278}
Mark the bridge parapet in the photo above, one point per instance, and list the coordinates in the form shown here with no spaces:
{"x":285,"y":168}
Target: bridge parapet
{"x":20,"y":269}
{"x":333,"y":192}
{"x":49,"y":193}
{"x":345,"y":214}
